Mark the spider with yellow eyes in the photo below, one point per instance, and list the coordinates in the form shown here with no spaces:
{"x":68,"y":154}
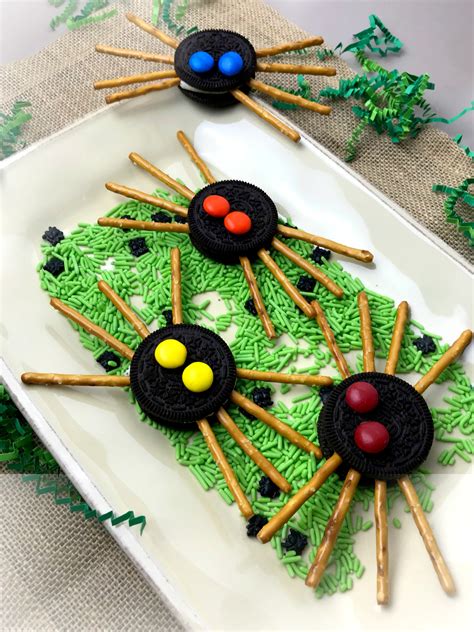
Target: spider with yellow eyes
{"x":217,"y":68}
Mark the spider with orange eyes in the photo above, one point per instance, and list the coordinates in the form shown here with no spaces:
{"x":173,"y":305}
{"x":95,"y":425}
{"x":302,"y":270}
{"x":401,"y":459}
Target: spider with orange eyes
{"x":217,"y":68}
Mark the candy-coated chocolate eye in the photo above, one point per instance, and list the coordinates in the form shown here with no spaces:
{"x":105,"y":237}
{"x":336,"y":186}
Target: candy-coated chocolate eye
{"x":171,"y":354}
{"x":216,"y":205}
{"x":238,"y":223}
{"x":198,"y":377}
{"x":362,"y":397}
{"x":201,"y":62}
{"x":230,"y":63}
{"x":371,"y":437}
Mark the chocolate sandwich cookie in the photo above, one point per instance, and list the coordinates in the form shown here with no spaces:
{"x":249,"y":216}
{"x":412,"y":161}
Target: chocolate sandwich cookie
{"x":161,"y":393}
{"x":211,"y":63}
{"x":390,"y":440}
{"x":247,"y":223}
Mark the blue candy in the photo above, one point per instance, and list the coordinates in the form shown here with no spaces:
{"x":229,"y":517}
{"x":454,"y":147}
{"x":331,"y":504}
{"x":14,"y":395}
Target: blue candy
{"x":201,"y":62}
{"x":230,"y":64}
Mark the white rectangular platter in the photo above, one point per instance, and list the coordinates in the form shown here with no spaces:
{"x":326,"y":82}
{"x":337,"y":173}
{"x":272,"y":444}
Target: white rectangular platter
{"x":194,"y":548}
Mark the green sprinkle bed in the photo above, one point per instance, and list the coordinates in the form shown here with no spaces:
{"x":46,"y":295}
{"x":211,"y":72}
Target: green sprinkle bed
{"x":91,"y":252}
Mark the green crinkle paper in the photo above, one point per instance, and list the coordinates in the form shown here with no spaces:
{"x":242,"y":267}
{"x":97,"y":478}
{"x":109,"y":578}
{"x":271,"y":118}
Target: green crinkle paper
{"x":11,"y":128}
{"x":456,"y":194}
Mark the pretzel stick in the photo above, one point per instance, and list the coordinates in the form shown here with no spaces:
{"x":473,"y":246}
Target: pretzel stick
{"x":160,"y":227}
{"x":284,"y":378}
{"x":124,"y":309}
{"x":368,"y":352}
{"x":226,"y":470}
{"x":135,"y":194}
{"x":149,"y":28}
{"x":328,"y":334}
{"x":281,"y":95}
{"x":91,"y":328}
{"x":353,"y":253}
{"x":198,"y":161}
{"x":283,"y":429}
{"x":302,"y":495}
{"x":182,"y":189}
{"x":138,"y":92}
{"x":176,"y":304}
{"x":73,"y":379}
{"x":381,"y":542}
{"x":288,"y":46}
{"x":134,"y":54}
{"x":126,"y":81}
{"x":266,"y":115}
{"x":285,"y":283}
{"x":250,"y":450}
{"x":446,"y":359}
{"x":397,"y":337}
{"x":308,"y":267}
{"x":427,"y":535}
{"x":295,"y":69}
{"x":257,"y":297}
{"x":333,"y":527}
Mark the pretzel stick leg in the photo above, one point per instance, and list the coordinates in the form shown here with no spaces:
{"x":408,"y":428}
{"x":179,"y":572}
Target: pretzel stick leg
{"x":250,"y":450}
{"x":285,"y":283}
{"x":284,"y":378}
{"x":135,"y":194}
{"x":296,"y":69}
{"x":348,"y":251}
{"x":195,"y":157}
{"x":134,"y":54}
{"x":142,"y":78}
{"x":397,"y":337}
{"x":302,"y":495}
{"x":328,"y":334}
{"x":91,"y":328}
{"x":160,"y":227}
{"x":138,"y":92}
{"x":267,"y":116}
{"x":74,"y":379}
{"x":427,"y":535}
{"x":257,"y":297}
{"x":368,"y":352}
{"x":381,"y":542}
{"x":281,"y":95}
{"x":333,"y":527}
{"x":286,"y":47}
{"x":446,"y":359}
{"x":152,"y":30}
{"x":227,"y":472}
{"x":270,"y":420}
{"x":308,"y":267}
{"x":176,"y":302}
{"x":161,"y":175}
{"x":124,"y":309}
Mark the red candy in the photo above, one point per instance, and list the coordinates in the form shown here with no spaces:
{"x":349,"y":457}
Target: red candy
{"x":238,"y":223}
{"x":216,"y":205}
{"x":362,"y":397}
{"x":371,"y":437}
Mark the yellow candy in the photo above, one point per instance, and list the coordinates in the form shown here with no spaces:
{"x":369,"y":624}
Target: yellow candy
{"x":170,"y":354}
{"x":198,"y":377}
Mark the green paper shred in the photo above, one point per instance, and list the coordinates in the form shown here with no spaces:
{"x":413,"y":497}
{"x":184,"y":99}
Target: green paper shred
{"x":457,"y":139}
{"x":456,"y":194}
{"x":92,"y":12}
{"x":11,"y":128}
{"x":66,"y":13}
{"x":368,"y":39}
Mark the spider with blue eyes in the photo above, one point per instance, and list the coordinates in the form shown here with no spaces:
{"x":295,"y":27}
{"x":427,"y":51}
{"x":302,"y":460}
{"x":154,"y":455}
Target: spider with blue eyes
{"x":216,"y":67}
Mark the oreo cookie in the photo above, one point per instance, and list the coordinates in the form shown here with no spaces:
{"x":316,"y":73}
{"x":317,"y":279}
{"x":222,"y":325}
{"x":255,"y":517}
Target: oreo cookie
{"x":211,"y":86}
{"x":209,"y":235}
{"x":401,"y":410}
{"x":161,"y":393}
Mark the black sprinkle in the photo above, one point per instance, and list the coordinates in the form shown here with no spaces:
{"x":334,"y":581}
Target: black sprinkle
{"x":318,"y":254}
{"x":425,"y":344}
{"x":109,"y":361}
{"x":246,"y":414}
{"x":250,"y":307}
{"x":306,"y":284}
{"x":161,"y":217}
{"x":262,"y":396}
{"x":295,"y":541}
{"x":254,"y":525}
{"x":126,"y":230}
{"x":180,"y":220}
{"x":138,"y":246}
{"x":53,"y":235}
{"x":267,"y":488}
{"x":324,"y":393}
{"x":54,"y":266}
{"x":168,"y":314}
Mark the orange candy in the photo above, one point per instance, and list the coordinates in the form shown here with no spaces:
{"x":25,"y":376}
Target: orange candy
{"x":238,"y":223}
{"x":216,"y":205}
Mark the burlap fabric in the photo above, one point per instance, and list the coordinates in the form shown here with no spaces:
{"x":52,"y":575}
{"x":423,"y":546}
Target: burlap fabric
{"x":58,"y":571}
